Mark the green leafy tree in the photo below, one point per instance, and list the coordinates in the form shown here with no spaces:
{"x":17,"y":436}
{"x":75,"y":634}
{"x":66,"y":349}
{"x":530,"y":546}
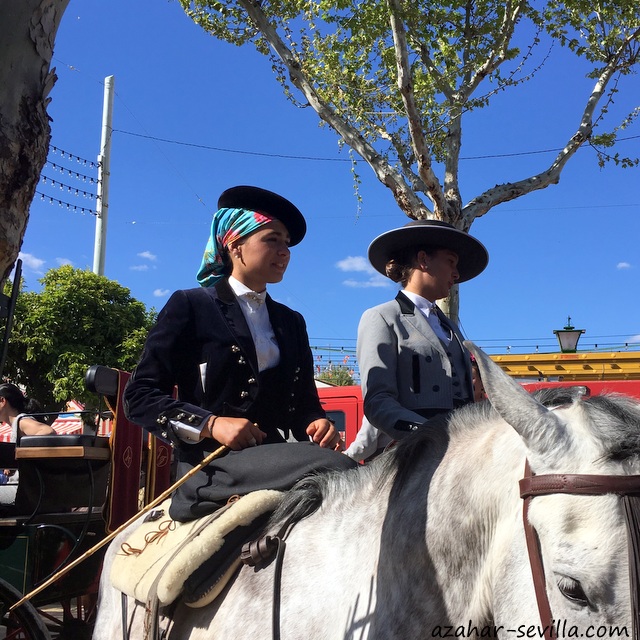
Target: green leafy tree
{"x":395,"y":78}
{"x":77,"y":320}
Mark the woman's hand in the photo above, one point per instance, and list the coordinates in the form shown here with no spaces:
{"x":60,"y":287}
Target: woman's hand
{"x":324,"y":433}
{"x":235,"y":433}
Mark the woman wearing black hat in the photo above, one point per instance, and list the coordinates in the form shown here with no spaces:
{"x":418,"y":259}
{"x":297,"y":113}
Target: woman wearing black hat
{"x":241,"y":363}
{"x":412,"y":362}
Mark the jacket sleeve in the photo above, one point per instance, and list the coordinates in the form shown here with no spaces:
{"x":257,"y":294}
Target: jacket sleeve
{"x":149,"y":398}
{"x":377,"y":353}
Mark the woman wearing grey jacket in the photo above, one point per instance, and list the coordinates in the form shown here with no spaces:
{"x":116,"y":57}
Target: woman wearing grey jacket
{"x":413,"y":365}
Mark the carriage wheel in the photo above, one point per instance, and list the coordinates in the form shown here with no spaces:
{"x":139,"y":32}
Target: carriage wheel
{"x":69,"y":612}
{"x":22,"y":624}
{"x":71,"y":619}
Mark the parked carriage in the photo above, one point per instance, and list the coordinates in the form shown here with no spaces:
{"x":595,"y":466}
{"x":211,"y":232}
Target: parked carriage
{"x":72,"y":491}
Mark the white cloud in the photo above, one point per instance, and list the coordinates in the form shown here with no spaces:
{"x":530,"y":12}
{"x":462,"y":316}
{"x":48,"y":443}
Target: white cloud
{"x":374,"y":281}
{"x":355,"y":263}
{"x":359,"y":264}
{"x":31,"y":262}
{"x":62,"y":261}
{"x":635,"y":339}
{"x":161,"y":293}
{"x":139,"y":267}
{"x":147,"y":255}
{"x":623,"y":265}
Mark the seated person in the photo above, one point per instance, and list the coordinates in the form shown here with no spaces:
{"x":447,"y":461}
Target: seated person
{"x":413,"y":362}
{"x":14,"y":410}
{"x":241,"y":362}
{"x":371,"y":442}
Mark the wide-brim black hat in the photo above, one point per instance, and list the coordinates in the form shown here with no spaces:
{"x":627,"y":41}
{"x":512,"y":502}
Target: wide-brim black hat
{"x":269,"y":203}
{"x":472,"y":255}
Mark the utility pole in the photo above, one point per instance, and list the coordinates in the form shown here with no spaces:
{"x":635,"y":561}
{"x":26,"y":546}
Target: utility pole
{"x":104,"y":173}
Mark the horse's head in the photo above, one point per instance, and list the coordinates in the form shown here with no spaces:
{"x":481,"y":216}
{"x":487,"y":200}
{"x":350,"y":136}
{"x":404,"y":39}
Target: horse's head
{"x":582,"y":538}
{"x":564,"y":431}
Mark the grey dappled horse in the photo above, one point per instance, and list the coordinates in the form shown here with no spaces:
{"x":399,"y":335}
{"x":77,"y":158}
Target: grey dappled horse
{"x":428,"y":541}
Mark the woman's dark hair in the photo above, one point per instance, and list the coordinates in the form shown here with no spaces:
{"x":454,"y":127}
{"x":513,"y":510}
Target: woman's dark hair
{"x":401,"y":264}
{"x":18,"y":400}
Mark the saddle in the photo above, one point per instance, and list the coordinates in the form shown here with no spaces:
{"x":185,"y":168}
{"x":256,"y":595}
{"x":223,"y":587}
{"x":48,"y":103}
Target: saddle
{"x":164,"y":559}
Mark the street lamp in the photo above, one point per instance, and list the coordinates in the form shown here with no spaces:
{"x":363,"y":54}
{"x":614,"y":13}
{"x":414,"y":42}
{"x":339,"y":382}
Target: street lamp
{"x":568,"y":337}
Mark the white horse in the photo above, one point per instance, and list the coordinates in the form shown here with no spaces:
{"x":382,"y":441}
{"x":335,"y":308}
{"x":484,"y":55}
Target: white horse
{"x":428,"y":540}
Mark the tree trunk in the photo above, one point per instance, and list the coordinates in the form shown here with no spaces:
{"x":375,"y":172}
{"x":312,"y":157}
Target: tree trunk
{"x":27,"y":34}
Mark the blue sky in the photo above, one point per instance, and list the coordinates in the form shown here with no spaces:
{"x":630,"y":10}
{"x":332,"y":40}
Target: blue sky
{"x":571,"y":249}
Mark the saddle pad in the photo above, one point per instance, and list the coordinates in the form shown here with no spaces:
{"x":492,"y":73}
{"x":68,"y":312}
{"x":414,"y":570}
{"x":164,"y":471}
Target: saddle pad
{"x":160,"y":555}
{"x":211,"y":577}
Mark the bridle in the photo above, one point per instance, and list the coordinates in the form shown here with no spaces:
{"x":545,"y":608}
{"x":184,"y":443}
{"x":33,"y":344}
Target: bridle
{"x":627,"y":487}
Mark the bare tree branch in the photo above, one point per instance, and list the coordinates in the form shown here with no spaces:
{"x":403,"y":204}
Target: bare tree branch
{"x":407,"y":200}
{"x":505,"y":192}
{"x":416,"y":130}
{"x":494,"y":61}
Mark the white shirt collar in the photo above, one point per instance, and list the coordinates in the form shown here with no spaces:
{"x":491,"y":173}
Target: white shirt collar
{"x":257,"y":317}
{"x":242,"y":291}
{"x":424,"y":305}
{"x":430,"y":311}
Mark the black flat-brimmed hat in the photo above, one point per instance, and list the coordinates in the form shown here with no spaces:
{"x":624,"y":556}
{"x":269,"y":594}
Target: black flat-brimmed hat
{"x":472,"y":255}
{"x":269,"y":203}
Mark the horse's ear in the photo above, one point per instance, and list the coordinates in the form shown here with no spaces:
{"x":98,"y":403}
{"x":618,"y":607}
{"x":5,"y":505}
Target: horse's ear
{"x":537,"y":425}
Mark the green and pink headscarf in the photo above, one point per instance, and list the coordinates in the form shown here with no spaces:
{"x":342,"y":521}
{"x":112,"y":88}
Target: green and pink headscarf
{"x":228,"y":225}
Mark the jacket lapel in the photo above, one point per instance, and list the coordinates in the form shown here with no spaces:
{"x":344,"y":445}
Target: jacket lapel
{"x":456,"y":335}
{"x":235,"y":321}
{"x":417,"y":319}
{"x":282,"y":330}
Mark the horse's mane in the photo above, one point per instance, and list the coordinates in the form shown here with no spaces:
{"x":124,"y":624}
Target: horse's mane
{"x":615,"y":421}
{"x":617,"y":425}
{"x":395,"y":465}
{"x":307,"y":495}
{"x":614,"y":418}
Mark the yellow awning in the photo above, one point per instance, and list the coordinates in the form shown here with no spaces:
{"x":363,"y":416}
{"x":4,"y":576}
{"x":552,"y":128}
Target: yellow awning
{"x":624,"y":365}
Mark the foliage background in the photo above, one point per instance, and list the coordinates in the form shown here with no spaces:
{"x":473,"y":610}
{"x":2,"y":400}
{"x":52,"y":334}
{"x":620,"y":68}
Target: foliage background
{"x":78,"y":319}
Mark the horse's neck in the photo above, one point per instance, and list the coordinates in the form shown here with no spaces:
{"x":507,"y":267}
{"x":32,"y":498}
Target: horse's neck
{"x":445,"y":530}
{"x":473,"y":515}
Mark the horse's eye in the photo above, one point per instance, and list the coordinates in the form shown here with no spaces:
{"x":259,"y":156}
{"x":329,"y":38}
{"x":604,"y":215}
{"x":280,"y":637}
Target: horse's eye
{"x":572,"y":590}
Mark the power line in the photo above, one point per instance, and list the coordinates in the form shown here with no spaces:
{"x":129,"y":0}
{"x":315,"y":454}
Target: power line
{"x":530,"y":153}
{"x":223,"y":150}
{"x":321,"y":159}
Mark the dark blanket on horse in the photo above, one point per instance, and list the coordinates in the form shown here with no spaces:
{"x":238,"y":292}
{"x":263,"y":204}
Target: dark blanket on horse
{"x":269,"y":466}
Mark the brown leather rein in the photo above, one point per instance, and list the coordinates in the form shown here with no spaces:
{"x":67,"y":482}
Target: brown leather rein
{"x":627,"y":487}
